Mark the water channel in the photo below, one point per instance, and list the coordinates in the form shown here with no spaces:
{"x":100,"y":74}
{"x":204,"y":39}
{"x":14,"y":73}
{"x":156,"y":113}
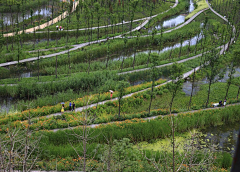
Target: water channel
{"x":45,"y":11}
{"x":193,"y":41}
{"x":220,"y":138}
{"x":187,"y":85}
{"x":9,"y":103}
{"x":224,"y":137}
{"x":174,"y":20}
{"x":7,"y":18}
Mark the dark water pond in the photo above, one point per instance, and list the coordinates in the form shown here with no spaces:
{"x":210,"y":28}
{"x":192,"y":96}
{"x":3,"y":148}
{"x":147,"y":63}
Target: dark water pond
{"x":222,"y":138}
{"x":45,"y":11}
{"x":187,"y":85}
{"x":8,"y":18}
{"x":6,"y":104}
{"x":26,"y":75}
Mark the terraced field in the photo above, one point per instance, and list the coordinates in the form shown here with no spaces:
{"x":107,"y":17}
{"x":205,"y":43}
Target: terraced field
{"x":83,"y":97}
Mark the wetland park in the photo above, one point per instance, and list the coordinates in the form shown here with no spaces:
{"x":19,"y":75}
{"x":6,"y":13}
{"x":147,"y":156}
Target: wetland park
{"x":119,"y":85}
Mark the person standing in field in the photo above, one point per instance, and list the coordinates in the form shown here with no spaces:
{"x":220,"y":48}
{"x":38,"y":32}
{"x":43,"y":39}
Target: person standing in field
{"x":62,"y":110}
{"x":224,"y":103}
{"x":73,"y":106}
{"x":111,"y":94}
{"x":70,"y":105}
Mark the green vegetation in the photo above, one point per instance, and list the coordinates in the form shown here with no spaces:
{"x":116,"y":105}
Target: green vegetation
{"x":113,"y":86}
{"x":201,"y":4}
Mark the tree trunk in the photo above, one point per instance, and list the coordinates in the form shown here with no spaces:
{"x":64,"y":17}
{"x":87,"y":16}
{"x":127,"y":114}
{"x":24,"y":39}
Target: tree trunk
{"x":34,"y":37}
{"x":98,"y":30}
{"x":189,"y":44}
{"x":149,"y":108}
{"x":229,"y":82}
{"x":209,"y":86}
{"x":1,"y":156}
{"x":238,"y":91}
{"x":149,"y":56}
{"x":89,"y":63}
{"x":170,"y":55}
{"x":134,"y":56}
{"x":84,"y":146}
{"x":69,"y":64}
{"x":26,"y":148}
{"x":173,"y":141}
{"x":109,"y":158}
{"x":56,"y":67}
{"x":38,"y":65}
{"x":196,"y":44}
{"x":119,"y":107}
{"x":190,"y":101}
{"x":67,"y":28}
{"x":122,"y":64}
{"x":180,"y":51}
{"x":10,"y":152}
{"x":48,"y":35}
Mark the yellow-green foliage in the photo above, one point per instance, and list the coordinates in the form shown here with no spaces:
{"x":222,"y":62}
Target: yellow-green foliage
{"x":201,"y":4}
{"x":166,"y":143}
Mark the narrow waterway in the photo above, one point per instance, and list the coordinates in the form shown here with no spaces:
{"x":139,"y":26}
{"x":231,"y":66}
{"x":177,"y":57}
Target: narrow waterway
{"x":7,"y":104}
{"x":9,"y":19}
{"x":45,"y":11}
{"x":187,"y":85}
{"x":174,"y":20}
{"x":193,"y":41}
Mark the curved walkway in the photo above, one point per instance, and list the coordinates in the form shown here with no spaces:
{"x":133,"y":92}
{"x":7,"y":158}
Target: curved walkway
{"x":125,"y":22}
{"x":55,"y":20}
{"x":185,"y":75}
{"x":77,"y":46}
{"x":132,"y":71}
{"x":146,"y":118}
{"x":42,"y":26}
{"x":219,"y":15}
{"x":224,"y":47}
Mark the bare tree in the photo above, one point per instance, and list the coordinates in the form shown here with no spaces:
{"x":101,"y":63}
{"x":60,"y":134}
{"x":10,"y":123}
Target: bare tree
{"x":121,"y":92}
{"x":154,"y":75}
{"x":84,"y":136}
{"x":19,"y":148}
{"x":176,"y":76}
